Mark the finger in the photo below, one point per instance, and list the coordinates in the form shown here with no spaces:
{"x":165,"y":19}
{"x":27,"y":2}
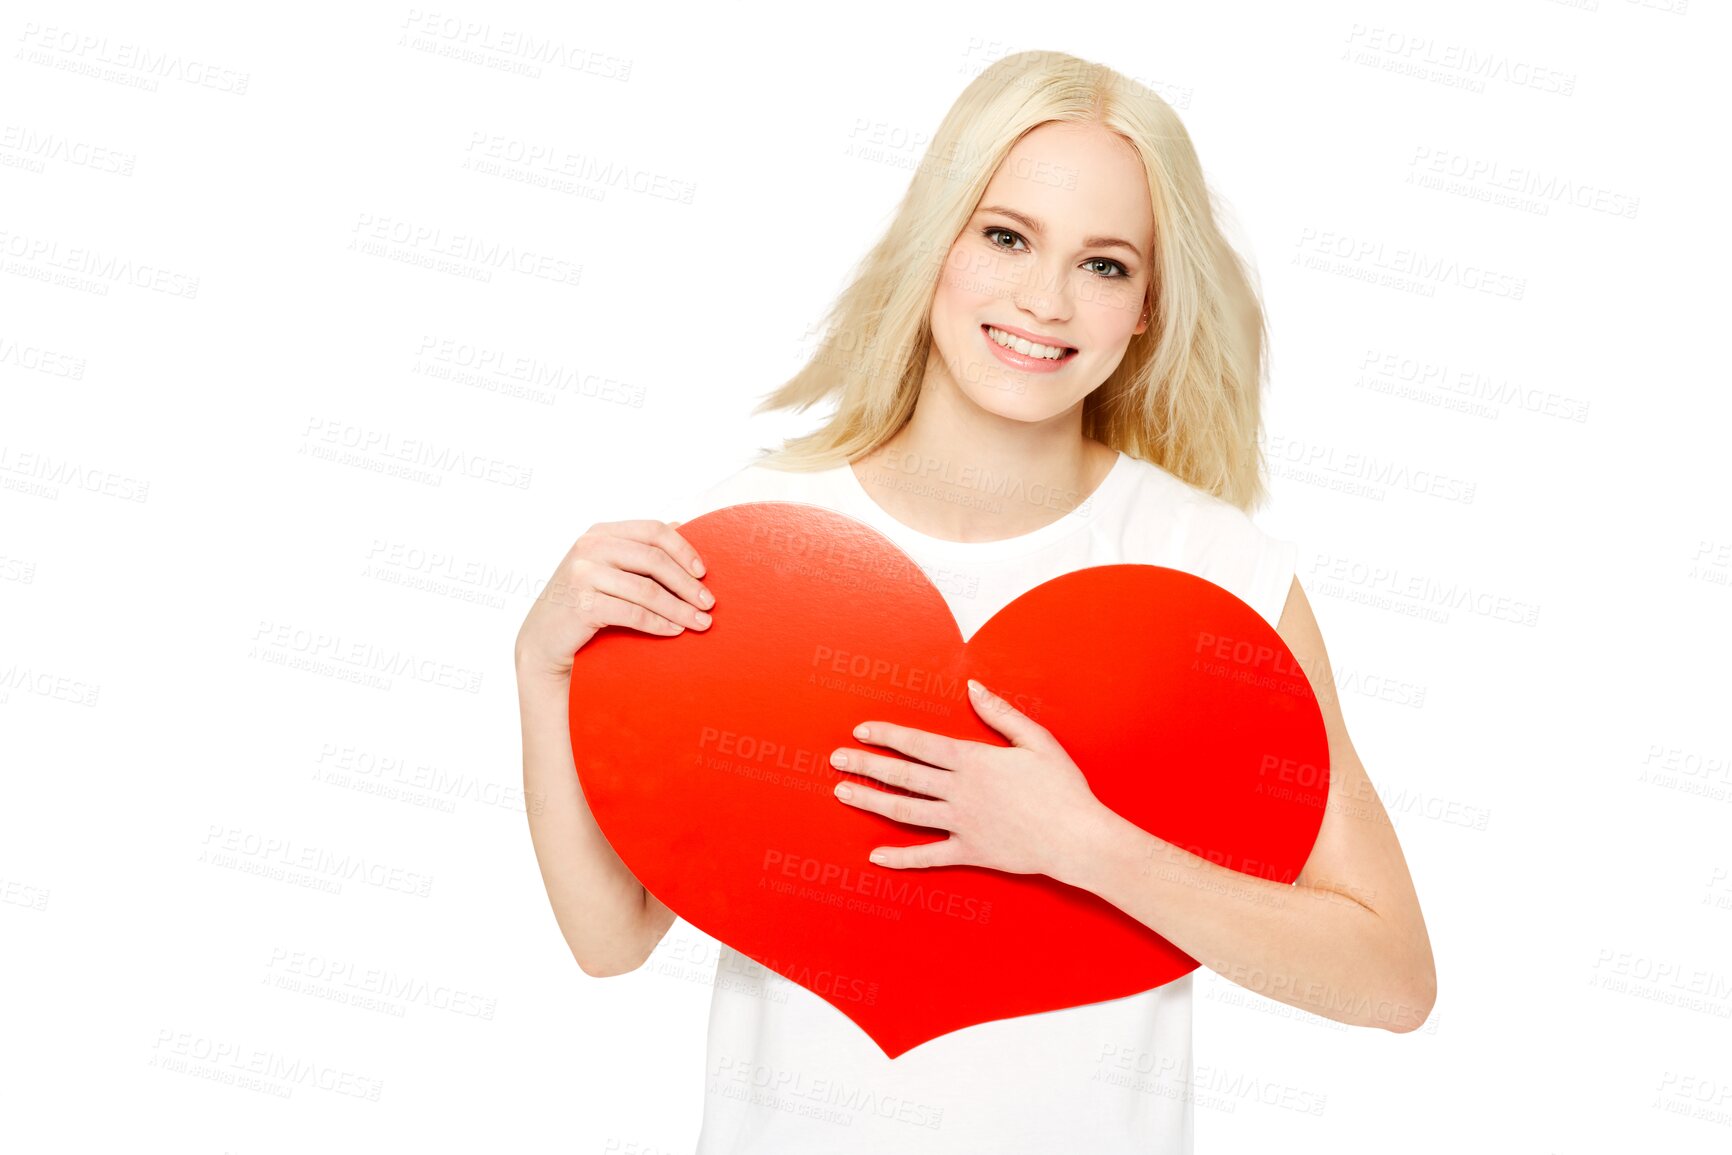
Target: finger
{"x":687,"y":567}
{"x":653,"y":561}
{"x":646,"y":592}
{"x":1007,"y":719}
{"x":932,"y":749}
{"x":944,"y":852}
{"x":896,"y":807}
{"x":603,"y":609}
{"x":681,"y":549}
{"x":895,"y":771}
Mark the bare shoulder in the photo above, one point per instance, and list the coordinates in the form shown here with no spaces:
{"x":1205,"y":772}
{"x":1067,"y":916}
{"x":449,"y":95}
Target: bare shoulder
{"x":1297,"y":621}
{"x":1304,"y":637}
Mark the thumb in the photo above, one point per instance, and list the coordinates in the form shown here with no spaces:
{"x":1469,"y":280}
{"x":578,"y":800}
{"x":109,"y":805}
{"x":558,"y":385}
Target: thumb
{"x":1006,"y":718}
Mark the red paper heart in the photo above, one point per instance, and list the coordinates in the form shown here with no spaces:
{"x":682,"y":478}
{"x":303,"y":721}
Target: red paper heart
{"x":705,"y":759}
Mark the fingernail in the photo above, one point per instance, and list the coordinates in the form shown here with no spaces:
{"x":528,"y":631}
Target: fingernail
{"x":698,"y":566}
{"x":703,"y":618}
{"x":975,"y":687}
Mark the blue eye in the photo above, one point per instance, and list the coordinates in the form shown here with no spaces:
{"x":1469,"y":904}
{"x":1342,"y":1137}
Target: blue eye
{"x":990,"y":230}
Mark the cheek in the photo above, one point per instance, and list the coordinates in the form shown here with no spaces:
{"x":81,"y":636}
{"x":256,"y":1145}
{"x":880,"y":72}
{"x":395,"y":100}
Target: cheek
{"x":1112,"y":298}
{"x":972,"y":277}
{"x":1112,"y":311}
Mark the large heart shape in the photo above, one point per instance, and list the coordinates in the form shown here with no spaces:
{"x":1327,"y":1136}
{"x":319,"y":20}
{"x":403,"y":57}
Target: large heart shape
{"x":705,"y":759}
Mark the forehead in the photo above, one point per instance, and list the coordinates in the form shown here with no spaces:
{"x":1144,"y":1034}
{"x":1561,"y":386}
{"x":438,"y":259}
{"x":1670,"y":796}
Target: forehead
{"x":1077,"y":178}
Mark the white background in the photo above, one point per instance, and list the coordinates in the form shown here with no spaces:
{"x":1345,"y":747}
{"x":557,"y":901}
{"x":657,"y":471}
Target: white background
{"x":1512,"y":514}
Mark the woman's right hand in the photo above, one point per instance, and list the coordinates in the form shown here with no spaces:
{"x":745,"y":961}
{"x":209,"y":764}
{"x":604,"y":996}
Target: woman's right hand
{"x":638,"y":574}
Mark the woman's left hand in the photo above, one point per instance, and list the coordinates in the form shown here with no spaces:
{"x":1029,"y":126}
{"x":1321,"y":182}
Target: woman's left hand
{"x":1023,"y":809}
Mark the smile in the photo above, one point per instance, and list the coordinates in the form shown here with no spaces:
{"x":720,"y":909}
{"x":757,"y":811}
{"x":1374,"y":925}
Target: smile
{"x":1025,"y":354}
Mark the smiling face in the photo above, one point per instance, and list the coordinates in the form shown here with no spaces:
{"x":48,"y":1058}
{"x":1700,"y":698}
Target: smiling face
{"x":1037,"y":271}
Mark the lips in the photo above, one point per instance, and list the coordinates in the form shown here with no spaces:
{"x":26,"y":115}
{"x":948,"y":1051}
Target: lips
{"x":1022,"y":361}
{"x":1036,"y":338}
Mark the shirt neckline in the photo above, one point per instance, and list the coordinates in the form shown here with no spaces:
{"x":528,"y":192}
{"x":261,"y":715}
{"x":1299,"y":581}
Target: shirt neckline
{"x":866,"y":508}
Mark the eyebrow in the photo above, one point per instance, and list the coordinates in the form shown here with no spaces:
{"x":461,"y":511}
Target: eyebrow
{"x":1035,"y":226}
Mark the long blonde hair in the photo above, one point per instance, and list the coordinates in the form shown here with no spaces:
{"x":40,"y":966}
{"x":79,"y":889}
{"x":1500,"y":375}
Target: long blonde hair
{"x":1186,"y":395}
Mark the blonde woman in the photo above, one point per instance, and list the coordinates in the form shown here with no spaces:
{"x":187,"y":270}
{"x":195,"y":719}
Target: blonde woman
{"x":1051,"y":360}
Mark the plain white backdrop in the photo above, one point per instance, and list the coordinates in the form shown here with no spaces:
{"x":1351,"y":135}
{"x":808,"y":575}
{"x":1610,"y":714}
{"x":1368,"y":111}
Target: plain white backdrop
{"x":325,"y":330}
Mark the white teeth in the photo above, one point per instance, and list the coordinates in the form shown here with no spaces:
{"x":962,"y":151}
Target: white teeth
{"x":1026,"y":348}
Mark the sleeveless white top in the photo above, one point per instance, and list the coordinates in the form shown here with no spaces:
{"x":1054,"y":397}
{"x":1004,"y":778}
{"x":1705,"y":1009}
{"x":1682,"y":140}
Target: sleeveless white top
{"x":788,"y":1074}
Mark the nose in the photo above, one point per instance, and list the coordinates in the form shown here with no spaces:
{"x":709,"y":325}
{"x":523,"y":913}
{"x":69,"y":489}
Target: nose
{"x":1046,"y":295}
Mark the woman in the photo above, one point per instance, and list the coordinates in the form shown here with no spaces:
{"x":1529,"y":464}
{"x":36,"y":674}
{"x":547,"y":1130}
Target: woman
{"x":1051,"y":360}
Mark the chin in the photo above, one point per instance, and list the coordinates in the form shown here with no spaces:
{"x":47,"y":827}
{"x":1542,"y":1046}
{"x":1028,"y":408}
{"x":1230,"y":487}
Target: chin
{"x":1002,"y":390}
{"x":1029,"y":404}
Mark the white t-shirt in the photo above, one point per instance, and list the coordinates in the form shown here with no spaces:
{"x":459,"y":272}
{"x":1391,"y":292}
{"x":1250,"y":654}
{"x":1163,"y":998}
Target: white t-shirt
{"x":786,"y":1073}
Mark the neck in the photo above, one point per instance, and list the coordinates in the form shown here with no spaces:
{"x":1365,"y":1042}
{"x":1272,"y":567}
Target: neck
{"x":958,"y":472}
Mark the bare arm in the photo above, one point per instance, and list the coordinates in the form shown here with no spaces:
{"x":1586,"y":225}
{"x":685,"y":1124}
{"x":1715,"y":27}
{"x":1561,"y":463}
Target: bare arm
{"x":610,"y":922}
{"x":1346,"y":941}
{"x":621,"y":574}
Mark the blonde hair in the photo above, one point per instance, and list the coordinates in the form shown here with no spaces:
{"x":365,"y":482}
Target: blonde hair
{"x":1186,"y":395}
